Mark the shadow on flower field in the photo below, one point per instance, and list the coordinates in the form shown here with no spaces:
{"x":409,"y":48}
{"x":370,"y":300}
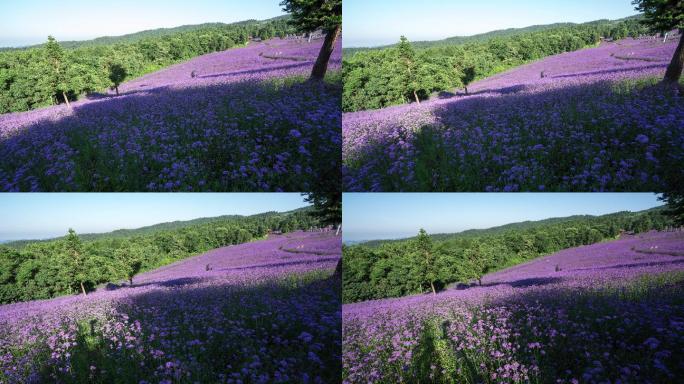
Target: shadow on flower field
{"x":250,"y":135}
{"x":282,"y":330}
{"x":602,"y":136}
{"x":561,"y":334}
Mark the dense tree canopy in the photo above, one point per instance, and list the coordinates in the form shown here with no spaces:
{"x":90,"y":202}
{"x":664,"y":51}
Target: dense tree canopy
{"x":45,"y":269}
{"x":49,"y":74}
{"x":395,"y":75}
{"x":664,"y":16}
{"x":310,"y":15}
{"x":429,"y":263}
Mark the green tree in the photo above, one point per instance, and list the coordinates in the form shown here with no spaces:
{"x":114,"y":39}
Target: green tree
{"x":117,"y":74}
{"x":407,"y":59}
{"x":425,"y":250}
{"x":310,"y":15}
{"x":58,"y":79}
{"x":663,"y":16}
{"x":467,"y":77}
{"x":76,"y":259}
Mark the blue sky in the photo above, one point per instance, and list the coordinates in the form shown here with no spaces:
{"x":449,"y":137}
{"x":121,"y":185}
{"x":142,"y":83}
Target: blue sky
{"x":44,"y":215}
{"x":379,"y":22}
{"x":369,"y":216}
{"x":25,"y":22}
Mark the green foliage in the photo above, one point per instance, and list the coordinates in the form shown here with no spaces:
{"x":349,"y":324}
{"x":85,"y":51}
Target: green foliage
{"x":50,"y":74}
{"x":412,"y":72}
{"x":117,"y":74}
{"x":309,"y":15}
{"x":45,"y":269}
{"x":661,"y":15}
{"x":398,"y":268}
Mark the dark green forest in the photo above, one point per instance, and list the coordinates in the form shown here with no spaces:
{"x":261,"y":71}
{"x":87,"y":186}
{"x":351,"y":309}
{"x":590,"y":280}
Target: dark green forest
{"x":423,"y":263}
{"x":411,"y":72}
{"x":46,"y":269}
{"x":55,"y":73}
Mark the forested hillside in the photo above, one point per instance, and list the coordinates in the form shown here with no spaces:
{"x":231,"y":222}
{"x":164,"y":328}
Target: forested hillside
{"x":411,"y":72}
{"x":55,"y":73}
{"x":45,"y":269}
{"x":398,"y":268}
{"x":150,"y":229}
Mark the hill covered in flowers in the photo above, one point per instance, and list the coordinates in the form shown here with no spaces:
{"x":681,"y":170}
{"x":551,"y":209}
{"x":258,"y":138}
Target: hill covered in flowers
{"x":266,"y":311}
{"x":588,"y":120}
{"x":243,"y":119}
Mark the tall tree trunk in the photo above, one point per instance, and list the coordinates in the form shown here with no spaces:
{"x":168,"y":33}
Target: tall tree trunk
{"x":466,"y":89}
{"x":338,"y":230}
{"x":479,"y":281}
{"x":674,"y":70}
{"x":130,"y":281}
{"x":66,"y":99}
{"x":321,"y":66}
{"x":117,"y":90}
{"x":338,"y":269}
{"x":415,"y":95}
{"x":433,"y":288}
{"x":83,"y":289}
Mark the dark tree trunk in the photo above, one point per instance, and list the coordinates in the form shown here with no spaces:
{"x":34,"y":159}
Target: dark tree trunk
{"x":83,"y":289}
{"x":466,"y":89}
{"x":130,"y":281}
{"x":321,"y":66}
{"x":66,"y":99}
{"x":338,"y":269}
{"x":117,"y":90}
{"x":479,"y":281}
{"x":674,"y":70}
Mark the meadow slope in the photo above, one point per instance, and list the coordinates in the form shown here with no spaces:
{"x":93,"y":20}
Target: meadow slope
{"x":265,"y":311}
{"x":245,"y":121}
{"x":611,"y":311}
{"x":582,"y":120}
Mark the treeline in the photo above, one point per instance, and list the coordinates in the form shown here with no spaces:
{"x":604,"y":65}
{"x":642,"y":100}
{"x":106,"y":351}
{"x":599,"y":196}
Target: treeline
{"x":379,"y":78}
{"x":68,"y":265}
{"x":51,"y":74}
{"x":423,"y":264}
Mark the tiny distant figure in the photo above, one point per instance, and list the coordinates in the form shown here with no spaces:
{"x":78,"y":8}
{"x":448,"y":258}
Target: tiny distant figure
{"x":209,"y":267}
{"x":193,"y":74}
{"x":543,"y":74}
{"x":557,"y":268}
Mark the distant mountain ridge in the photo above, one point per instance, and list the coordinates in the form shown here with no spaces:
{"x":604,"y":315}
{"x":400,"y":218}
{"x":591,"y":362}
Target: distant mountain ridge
{"x":457,"y":40}
{"x":149,"y":229}
{"x":523,"y":225}
{"x":137,"y":36}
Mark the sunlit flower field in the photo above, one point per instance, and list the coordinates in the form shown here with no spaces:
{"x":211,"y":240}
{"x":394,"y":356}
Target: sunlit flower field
{"x":593,"y":122}
{"x":247,"y":121}
{"x":608,"y":312}
{"x":251,"y":313}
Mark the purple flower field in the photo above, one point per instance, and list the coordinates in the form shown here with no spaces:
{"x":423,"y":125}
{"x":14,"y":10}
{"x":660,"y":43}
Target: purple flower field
{"x":260,"y":314}
{"x":608,"y":312}
{"x":247,"y":122}
{"x":593,"y":123}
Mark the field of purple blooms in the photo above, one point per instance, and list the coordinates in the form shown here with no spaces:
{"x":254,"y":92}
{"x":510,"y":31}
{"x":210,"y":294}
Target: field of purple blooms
{"x":249,"y":313}
{"x":608,"y":312}
{"x":593,"y":122}
{"x":246,"y":121}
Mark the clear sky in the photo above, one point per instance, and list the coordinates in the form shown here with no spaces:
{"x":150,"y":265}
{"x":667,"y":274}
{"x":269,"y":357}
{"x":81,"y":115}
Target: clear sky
{"x":26,"y":22}
{"x":46,"y":215}
{"x":380,"y":22}
{"x":368,"y":216}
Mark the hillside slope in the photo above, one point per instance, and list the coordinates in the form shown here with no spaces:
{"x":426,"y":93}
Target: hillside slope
{"x":563,"y":123}
{"x":532,"y":322}
{"x":240,"y":124}
{"x":187,"y":319}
